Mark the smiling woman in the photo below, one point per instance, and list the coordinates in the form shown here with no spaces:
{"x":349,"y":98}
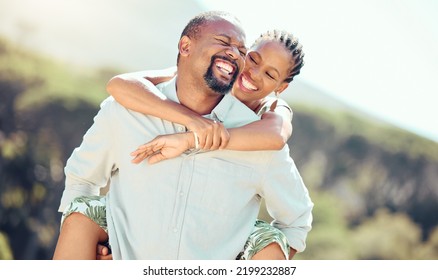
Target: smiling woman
{"x":272,"y":62}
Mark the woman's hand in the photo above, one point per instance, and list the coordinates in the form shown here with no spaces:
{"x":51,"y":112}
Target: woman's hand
{"x":212,"y":134}
{"x":164,"y":147}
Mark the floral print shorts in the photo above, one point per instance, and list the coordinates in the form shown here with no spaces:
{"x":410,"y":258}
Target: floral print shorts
{"x":263,"y":234}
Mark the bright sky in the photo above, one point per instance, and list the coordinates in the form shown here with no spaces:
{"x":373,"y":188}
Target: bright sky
{"x":378,"y":55}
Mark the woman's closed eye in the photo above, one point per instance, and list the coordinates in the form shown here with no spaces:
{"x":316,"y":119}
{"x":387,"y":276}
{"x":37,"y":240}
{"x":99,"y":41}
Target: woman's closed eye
{"x":252,"y":59}
{"x":271,"y":76}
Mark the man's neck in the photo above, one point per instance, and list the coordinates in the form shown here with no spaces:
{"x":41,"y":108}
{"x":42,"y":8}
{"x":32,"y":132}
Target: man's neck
{"x":194,"y":98}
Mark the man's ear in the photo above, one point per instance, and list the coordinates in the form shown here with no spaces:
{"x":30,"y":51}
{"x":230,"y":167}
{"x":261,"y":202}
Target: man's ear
{"x":184,"y":45}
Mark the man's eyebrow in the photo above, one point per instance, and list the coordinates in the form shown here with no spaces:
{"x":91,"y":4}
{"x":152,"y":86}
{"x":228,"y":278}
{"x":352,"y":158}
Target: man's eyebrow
{"x":224,"y":35}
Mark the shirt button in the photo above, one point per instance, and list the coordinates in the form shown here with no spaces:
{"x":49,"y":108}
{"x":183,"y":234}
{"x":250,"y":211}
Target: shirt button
{"x":181,"y":194}
{"x":175,"y":230}
{"x":181,"y":129}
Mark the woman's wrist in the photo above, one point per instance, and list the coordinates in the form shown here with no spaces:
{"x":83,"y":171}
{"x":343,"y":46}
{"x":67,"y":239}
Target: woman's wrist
{"x":195,"y":140}
{"x":192,"y":140}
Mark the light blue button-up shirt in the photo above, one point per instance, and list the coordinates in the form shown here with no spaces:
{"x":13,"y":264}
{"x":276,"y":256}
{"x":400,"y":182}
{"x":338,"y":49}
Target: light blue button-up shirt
{"x":196,"y":206}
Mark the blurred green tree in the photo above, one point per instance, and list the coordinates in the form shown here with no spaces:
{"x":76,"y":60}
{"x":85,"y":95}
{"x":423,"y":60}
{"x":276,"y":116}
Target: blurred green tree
{"x":329,"y":238}
{"x":387,"y":236}
{"x":5,"y":249}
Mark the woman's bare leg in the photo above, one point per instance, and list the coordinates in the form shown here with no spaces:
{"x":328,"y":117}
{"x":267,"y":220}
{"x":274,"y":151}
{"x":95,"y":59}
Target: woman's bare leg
{"x":78,"y":238}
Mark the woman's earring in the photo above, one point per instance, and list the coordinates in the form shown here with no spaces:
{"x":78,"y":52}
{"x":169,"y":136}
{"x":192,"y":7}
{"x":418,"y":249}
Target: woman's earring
{"x":274,"y":104}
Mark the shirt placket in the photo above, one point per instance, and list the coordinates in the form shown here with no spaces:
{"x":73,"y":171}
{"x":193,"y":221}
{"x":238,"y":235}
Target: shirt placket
{"x":182,"y":191}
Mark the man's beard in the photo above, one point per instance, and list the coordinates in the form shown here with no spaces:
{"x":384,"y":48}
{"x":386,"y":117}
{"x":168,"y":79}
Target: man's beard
{"x":214,"y":83}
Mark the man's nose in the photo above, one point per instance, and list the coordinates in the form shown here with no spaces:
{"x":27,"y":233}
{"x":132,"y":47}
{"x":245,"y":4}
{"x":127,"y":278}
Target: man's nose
{"x":233,"y":52}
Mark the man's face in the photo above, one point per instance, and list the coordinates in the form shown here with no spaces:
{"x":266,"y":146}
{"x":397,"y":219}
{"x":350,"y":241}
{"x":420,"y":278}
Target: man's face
{"x":219,"y":52}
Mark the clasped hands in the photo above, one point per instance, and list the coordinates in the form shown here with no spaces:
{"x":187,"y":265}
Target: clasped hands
{"x":210,"y":135}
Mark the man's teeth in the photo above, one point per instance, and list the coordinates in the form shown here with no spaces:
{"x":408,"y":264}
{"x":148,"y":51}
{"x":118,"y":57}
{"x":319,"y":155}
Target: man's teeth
{"x":225,"y":67}
{"x":247,"y":84}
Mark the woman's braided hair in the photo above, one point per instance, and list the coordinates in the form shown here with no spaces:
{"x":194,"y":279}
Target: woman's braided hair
{"x":290,"y":42}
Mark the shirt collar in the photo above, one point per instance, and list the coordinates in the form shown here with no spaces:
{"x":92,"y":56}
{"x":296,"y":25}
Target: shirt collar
{"x":169,"y":89}
{"x":232,"y":113}
{"x":228,"y":108}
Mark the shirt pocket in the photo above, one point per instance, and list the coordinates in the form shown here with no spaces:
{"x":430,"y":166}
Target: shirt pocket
{"x":229,"y":187}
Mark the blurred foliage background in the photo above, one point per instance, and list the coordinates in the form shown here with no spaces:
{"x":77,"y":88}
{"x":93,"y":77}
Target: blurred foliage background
{"x":374,"y":186}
